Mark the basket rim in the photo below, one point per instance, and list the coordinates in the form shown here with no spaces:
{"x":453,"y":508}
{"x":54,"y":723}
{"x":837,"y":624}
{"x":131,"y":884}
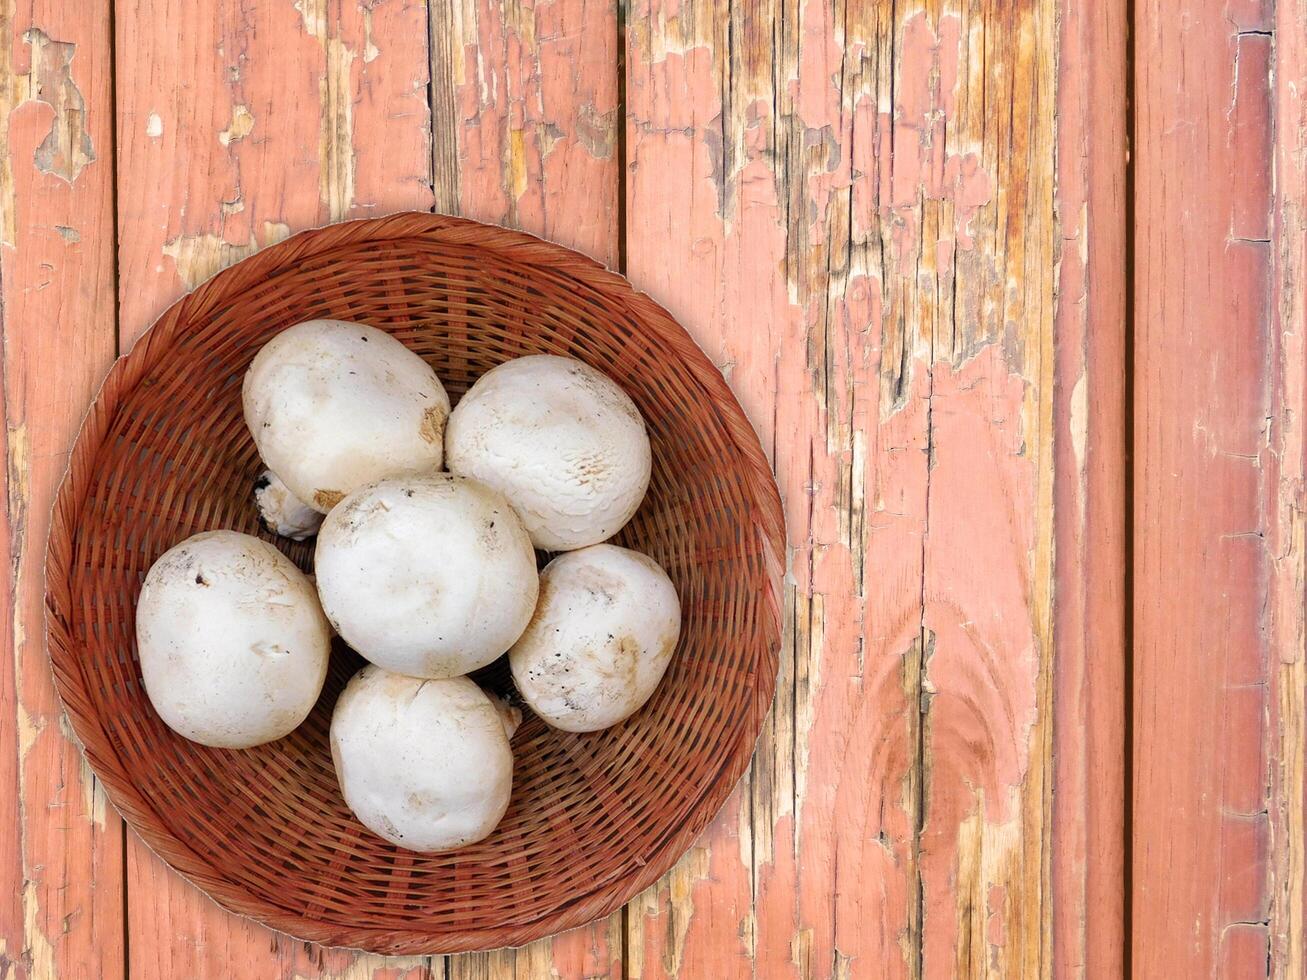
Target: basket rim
{"x":71,"y":683}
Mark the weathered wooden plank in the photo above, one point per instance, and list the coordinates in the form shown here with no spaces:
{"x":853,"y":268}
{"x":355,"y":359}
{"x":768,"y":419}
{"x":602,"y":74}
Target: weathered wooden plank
{"x":864,"y":242}
{"x":60,"y":847}
{"x":1285,"y":459}
{"x":524,"y":134}
{"x":1089,"y":820}
{"x":1202,"y":408}
{"x":238,"y":124}
{"x":986,"y":839}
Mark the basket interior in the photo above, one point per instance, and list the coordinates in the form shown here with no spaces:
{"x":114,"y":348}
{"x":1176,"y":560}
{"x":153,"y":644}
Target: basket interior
{"x":588,"y":812}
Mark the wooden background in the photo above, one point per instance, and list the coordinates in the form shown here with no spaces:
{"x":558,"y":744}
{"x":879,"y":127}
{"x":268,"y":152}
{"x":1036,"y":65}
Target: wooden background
{"x":1011,"y":290}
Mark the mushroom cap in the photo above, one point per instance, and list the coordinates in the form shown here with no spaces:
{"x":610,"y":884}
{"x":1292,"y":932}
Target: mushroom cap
{"x":232,"y":643}
{"x":561,"y":441}
{"x":334,"y":405}
{"x":426,"y":764}
{"x":602,"y":635}
{"x":281,"y":511}
{"x":429,"y":575}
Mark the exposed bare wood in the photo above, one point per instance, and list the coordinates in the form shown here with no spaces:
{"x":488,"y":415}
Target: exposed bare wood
{"x":1285,"y":459}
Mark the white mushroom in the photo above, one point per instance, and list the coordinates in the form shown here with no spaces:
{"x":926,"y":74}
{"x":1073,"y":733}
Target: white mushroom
{"x":232,"y":642}
{"x":600,"y":640}
{"x":561,"y":441}
{"x":281,"y":511}
{"x":335,"y":405}
{"x":426,"y":764}
{"x":431,"y":576}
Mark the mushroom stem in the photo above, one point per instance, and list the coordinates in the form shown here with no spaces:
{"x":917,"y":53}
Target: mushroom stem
{"x":508,"y":714}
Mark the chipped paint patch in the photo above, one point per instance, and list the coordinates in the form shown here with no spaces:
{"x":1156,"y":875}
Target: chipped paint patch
{"x":241,"y":125}
{"x":37,"y":951}
{"x":68,"y":234}
{"x":66,"y":150}
{"x":922,"y":166}
{"x":1079,"y":425}
{"x":336,"y":103}
{"x":93,"y":795}
{"x":314,"y":15}
{"x":19,"y":465}
{"x":988,"y":870}
{"x":198,"y":257}
{"x":336,"y":140}
{"x":28,"y":730}
{"x":153,"y":126}
{"x":275,"y":231}
{"x":370,"y":50}
{"x":671,"y":900}
{"x":370,"y":966}
{"x":689,"y":870}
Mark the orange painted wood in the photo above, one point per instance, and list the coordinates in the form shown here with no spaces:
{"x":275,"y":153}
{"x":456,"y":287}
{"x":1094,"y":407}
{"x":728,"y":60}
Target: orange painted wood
{"x":237,"y":125}
{"x":1202,"y":414}
{"x":60,"y":847}
{"x":853,"y":207}
{"x":1285,"y":459}
{"x":1089,"y":694}
{"x":525,"y":119}
{"x":864,"y":243}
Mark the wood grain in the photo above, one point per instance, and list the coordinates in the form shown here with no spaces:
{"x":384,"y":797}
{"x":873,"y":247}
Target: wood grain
{"x":1089,"y":720}
{"x":237,"y":125}
{"x":1201,"y":410}
{"x":862,"y":241}
{"x":853,"y":207}
{"x":1285,"y":460}
{"x":60,"y":846}
{"x":525,"y":118}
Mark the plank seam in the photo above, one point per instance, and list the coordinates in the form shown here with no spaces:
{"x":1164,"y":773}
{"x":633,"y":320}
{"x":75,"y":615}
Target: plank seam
{"x":1128,"y":502}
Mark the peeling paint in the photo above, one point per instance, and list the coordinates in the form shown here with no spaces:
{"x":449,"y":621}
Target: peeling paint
{"x":94,"y":800}
{"x":314,"y":15}
{"x":922,"y":165}
{"x":153,"y":125}
{"x":37,"y":951}
{"x":241,"y":125}
{"x":534,"y":120}
{"x":198,"y":257}
{"x":336,"y":103}
{"x":336,"y":142}
{"x":370,"y":50}
{"x":370,"y":966}
{"x":19,"y":464}
{"x":672,"y":902}
{"x":275,"y":231}
{"x":67,"y":149}
{"x":28,"y":730}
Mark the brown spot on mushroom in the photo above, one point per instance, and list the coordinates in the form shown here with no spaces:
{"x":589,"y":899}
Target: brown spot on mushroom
{"x":327,"y":499}
{"x":667,"y":647}
{"x":433,"y":424}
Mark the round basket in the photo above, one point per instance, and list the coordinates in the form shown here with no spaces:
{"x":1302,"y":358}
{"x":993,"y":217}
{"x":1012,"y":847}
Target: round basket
{"x":164,"y":453}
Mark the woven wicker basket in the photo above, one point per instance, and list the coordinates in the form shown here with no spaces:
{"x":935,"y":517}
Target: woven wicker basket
{"x":594,"y":819}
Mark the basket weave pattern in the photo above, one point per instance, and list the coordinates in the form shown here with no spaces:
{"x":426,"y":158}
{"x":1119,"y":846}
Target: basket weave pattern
{"x":594,"y":819}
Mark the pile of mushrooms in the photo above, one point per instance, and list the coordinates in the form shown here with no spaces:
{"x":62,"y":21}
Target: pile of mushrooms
{"x":428,"y":522}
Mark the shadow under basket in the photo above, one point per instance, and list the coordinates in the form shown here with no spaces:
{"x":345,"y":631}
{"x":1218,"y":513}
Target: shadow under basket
{"x":594,"y":819}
